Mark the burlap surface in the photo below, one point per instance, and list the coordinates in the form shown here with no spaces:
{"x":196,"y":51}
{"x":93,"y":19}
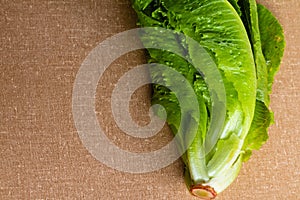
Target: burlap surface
{"x":43,"y":44}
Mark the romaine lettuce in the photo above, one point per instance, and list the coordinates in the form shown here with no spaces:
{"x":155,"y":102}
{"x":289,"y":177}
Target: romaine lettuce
{"x":243,"y":39}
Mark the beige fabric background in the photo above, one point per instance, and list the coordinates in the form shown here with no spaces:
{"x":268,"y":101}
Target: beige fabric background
{"x":43,"y":43}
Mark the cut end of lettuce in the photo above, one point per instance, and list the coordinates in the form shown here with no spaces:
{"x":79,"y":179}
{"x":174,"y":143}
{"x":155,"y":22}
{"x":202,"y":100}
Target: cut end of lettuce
{"x":203,"y":192}
{"x":199,"y":190}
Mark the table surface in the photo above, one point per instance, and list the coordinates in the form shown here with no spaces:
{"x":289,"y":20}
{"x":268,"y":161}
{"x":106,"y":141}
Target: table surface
{"x":43,"y":44}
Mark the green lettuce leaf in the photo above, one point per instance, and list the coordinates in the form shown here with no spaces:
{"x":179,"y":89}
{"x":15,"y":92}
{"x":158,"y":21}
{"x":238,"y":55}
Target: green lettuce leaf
{"x":236,"y":6}
{"x":272,"y":41}
{"x":258,"y":133}
{"x":268,"y":44}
